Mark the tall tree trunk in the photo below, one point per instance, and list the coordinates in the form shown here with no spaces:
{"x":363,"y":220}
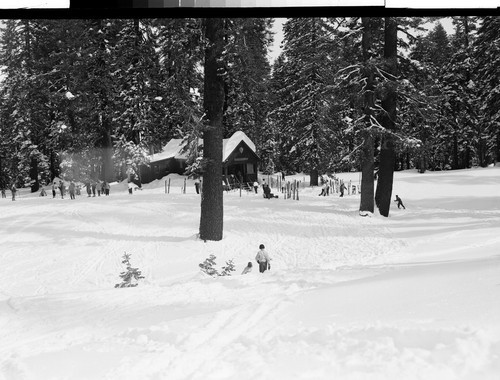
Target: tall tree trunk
{"x":35,"y":185}
{"x":212,"y":210}
{"x":313,"y":176}
{"x":367,"y":162}
{"x":387,"y":155}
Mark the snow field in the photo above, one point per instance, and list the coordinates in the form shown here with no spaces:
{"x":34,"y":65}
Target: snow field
{"x":412,"y":296}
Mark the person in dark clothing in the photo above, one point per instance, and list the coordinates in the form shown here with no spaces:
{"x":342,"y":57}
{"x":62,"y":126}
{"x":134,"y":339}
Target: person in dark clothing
{"x":342,"y":188}
{"x":13,"y":190}
{"x":93,"y":188}
{"x":197,"y":186}
{"x":54,"y":189}
{"x":400,"y":202}
{"x":267,"y":192}
{"x":106,"y":187}
{"x":61,"y":189}
{"x":3,"y":194}
{"x":89,"y":189}
{"x":72,"y":188}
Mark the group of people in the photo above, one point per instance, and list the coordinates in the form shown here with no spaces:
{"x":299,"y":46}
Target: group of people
{"x":263,"y":260}
{"x":92,"y":187}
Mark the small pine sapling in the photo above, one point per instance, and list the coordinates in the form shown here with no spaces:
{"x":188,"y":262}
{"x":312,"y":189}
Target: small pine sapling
{"x":226,"y":271}
{"x":131,"y":276}
{"x":208,"y":266}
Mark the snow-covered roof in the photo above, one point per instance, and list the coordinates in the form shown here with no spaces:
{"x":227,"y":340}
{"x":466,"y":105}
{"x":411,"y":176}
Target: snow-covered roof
{"x":174,"y":147}
{"x":230,"y":144}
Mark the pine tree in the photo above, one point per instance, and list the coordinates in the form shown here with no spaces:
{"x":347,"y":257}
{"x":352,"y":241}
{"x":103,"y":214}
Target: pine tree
{"x":303,"y":115}
{"x":131,"y":276}
{"x":226,"y":270}
{"x":208,"y":266}
{"x":487,"y":57}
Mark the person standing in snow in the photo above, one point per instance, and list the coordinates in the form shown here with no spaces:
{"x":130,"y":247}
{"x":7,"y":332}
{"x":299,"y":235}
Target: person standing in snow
{"x":93,"y":188}
{"x":98,"y":187}
{"x":324,"y":190}
{"x":255,"y":186}
{"x":130,"y":187}
{"x":106,"y":187}
{"x":61,"y":189}
{"x":72,"y":190}
{"x":400,"y":202}
{"x":247,"y":269}
{"x":13,"y":190}
{"x":197,"y":185}
{"x":54,"y":188}
{"x":342,"y":188}
{"x":263,"y":259}
{"x":3,"y":193}
{"x":89,"y":190}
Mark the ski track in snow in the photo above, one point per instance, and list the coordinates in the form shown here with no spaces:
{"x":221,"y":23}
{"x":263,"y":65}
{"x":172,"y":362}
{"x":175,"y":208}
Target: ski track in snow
{"x":60,"y":317}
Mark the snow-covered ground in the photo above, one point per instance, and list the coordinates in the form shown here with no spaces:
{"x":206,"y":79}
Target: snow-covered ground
{"x":412,"y":296}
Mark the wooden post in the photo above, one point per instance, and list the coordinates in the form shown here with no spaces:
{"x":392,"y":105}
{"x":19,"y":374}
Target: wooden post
{"x":165,"y":186}
{"x":298,"y":185}
{"x":240,"y":189}
{"x":169,"y":185}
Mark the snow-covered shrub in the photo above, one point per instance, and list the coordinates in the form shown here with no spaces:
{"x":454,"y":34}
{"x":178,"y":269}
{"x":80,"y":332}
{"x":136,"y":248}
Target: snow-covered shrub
{"x":131,"y":276}
{"x":226,"y":271}
{"x":208,"y":266}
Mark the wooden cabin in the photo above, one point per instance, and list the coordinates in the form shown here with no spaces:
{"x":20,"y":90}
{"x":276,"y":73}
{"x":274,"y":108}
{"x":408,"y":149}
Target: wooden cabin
{"x":239,"y":160}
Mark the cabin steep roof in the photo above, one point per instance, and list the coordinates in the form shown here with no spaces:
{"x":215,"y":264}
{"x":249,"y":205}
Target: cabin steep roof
{"x":174,"y":147}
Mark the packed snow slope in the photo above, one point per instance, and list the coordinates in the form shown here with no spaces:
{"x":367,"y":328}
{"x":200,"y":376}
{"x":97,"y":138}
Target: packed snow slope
{"x":412,"y":296}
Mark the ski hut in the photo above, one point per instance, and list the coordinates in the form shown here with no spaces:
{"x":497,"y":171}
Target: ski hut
{"x":239,"y":160}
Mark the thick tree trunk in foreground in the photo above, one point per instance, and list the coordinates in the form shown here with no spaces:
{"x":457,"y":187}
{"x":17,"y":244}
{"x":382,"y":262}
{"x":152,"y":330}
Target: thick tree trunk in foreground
{"x":387,"y":154}
{"x":367,"y":185}
{"x":212,"y":211}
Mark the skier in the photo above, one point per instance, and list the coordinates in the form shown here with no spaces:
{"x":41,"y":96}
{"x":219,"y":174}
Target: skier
{"x":263,"y":259}
{"x":400,"y":202}
{"x":247,"y":269}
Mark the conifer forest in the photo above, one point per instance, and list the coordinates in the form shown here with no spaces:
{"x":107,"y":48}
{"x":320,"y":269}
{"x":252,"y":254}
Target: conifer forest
{"x":93,"y":98}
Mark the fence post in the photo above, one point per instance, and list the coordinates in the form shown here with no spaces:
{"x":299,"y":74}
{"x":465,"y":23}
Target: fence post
{"x":298,"y":185}
{"x":240,"y":189}
{"x":169,"y":185}
{"x":165,"y":186}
